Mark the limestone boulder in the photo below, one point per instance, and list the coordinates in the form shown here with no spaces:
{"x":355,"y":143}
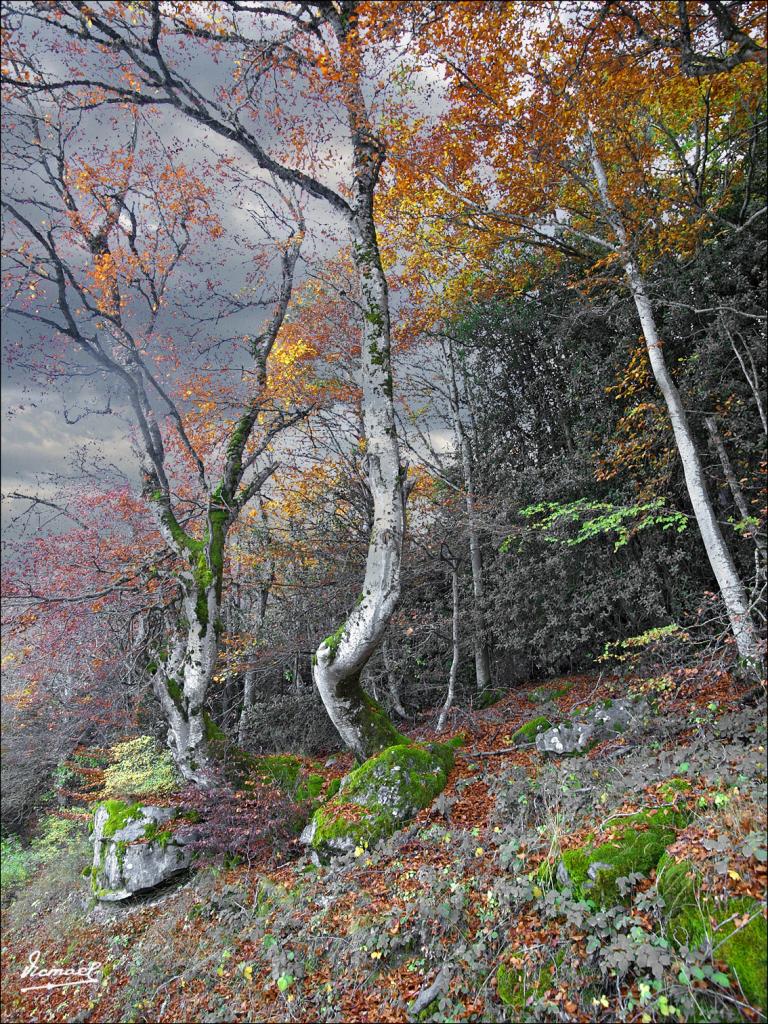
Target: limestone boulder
{"x":133,"y":849}
{"x":612,"y":718}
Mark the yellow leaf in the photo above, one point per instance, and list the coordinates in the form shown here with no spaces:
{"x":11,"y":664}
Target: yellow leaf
{"x":734,"y":875}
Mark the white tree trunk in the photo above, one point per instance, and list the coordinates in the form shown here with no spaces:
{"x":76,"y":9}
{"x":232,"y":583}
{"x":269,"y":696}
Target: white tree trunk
{"x":731,"y":587}
{"x":455,"y":646}
{"x":181,"y":684}
{"x":482,"y":661}
{"x":362,"y":724}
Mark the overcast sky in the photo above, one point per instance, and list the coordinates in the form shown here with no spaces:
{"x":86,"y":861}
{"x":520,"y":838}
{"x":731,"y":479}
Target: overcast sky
{"x":37,"y":440}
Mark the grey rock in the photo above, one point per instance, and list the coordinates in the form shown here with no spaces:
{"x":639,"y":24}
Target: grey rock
{"x":619,"y":717}
{"x":123,"y":864}
{"x":595,"y":866}
{"x":562,"y":874}
{"x":566,"y":739}
{"x":308,"y":832}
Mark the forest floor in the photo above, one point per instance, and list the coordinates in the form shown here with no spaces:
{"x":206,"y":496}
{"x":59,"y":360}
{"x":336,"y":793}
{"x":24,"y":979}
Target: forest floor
{"x":458,"y":917}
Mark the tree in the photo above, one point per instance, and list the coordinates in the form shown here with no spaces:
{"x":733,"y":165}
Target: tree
{"x":698,"y":32}
{"x":140,"y":56}
{"x":103,"y":233}
{"x":582,"y":153}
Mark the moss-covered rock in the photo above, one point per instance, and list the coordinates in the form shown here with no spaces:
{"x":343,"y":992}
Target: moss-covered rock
{"x":487,"y":698}
{"x":378,"y":797}
{"x":638,"y":843}
{"x":134,"y":849}
{"x":118,"y":815}
{"x":528,"y":732}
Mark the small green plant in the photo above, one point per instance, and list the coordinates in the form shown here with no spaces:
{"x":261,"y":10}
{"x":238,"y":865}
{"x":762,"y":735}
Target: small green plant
{"x":621,"y":650}
{"x":595,"y":518}
{"x":16,"y":864}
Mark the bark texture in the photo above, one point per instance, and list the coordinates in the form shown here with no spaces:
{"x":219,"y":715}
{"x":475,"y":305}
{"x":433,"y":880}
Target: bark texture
{"x":454,"y":648}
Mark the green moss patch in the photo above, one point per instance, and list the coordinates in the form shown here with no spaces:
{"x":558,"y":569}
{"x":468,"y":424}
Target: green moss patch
{"x":515,"y":987}
{"x":119,"y":814}
{"x":739,"y":938}
{"x":669,"y":789}
{"x":639,"y":841}
{"x":381,"y":795}
{"x":288,"y":773}
{"x":541,"y":694}
{"x":736,"y":931}
{"x":744,"y":948}
{"x":528,"y":732}
{"x":378,"y":730}
{"x":678,"y":883}
{"x":154,"y":834}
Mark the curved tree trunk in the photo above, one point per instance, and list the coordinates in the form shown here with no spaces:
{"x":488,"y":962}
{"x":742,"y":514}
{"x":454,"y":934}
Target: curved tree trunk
{"x":182,"y":680}
{"x":362,"y":724}
{"x":731,"y":587}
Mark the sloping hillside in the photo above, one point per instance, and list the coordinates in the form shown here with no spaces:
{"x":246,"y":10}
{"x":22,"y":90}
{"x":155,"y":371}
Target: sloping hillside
{"x":487,"y":907}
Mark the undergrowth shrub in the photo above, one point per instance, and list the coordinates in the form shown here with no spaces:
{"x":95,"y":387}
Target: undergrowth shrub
{"x":139,"y":767}
{"x":56,"y":833}
{"x":233,"y":825}
{"x":16,"y":864}
{"x":56,"y":837}
{"x":80,"y":778}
